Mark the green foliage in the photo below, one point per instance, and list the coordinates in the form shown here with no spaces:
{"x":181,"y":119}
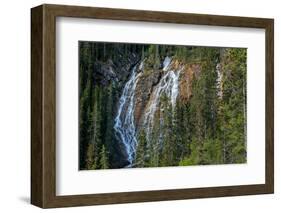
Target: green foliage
{"x":233,"y":106}
{"x":153,"y":57}
{"x":194,"y":157}
{"x":212,"y":152}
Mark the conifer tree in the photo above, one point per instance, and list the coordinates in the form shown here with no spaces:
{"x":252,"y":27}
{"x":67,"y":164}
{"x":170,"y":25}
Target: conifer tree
{"x":104,"y":158}
{"x":141,"y":152}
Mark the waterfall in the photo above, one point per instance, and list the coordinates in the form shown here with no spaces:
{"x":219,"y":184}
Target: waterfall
{"x":166,"y":63}
{"x":169,"y":85}
{"x":219,"y":80}
{"x":124,"y":121}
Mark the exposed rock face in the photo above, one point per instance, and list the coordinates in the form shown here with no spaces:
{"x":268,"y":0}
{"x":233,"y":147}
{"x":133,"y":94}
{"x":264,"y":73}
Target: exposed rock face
{"x":149,"y":80}
{"x":116,"y":71}
{"x":185,"y":86}
{"x":143,"y":91}
{"x":119,"y":71}
{"x":141,"y":98}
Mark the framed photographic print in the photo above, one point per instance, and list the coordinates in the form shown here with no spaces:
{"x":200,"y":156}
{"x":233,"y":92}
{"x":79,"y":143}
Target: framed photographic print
{"x":136,"y":106}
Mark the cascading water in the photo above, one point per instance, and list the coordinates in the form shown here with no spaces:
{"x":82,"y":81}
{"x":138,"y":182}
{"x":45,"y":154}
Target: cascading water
{"x":124,"y":121}
{"x":169,"y":85}
{"x":219,"y":80}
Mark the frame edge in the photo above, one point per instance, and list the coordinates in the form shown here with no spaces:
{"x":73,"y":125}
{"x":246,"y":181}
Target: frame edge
{"x":37,"y":189}
{"x":269,"y":73}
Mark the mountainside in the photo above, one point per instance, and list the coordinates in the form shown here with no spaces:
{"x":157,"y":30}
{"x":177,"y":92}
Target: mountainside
{"x":160,"y":105}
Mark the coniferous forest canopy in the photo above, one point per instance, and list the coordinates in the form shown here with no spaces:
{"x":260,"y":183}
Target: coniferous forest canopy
{"x":147,"y":105}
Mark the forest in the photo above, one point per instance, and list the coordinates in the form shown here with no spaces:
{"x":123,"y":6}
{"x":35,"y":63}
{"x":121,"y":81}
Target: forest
{"x":150,"y":105}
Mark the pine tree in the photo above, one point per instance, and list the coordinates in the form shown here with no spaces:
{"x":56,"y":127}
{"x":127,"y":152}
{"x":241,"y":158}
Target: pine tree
{"x":95,"y":127}
{"x":109,"y":118}
{"x":141,"y":153}
{"x":155,"y":142}
{"x":169,"y":138}
{"x":91,"y":159}
{"x":104,"y":158}
{"x":83,"y":126}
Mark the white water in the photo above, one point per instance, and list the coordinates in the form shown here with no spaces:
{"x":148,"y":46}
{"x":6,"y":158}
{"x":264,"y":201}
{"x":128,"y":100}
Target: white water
{"x":124,"y":121}
{"x":219,"y":80}
{"x":168,"y":85}
{"x":166,"y":63}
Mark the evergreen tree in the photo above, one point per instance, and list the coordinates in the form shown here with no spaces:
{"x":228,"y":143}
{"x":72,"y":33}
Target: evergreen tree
{"x":169,"y":138}
{"x":95,"y":127}
{"x":91,"y":158}
{"x":109,"y":117}
{"x":104,"y":158}
{"x":141,"y":153}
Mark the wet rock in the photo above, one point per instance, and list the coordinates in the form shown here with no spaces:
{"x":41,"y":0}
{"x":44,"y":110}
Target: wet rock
{"x":143,"y":91}
{"x":117,"y":70}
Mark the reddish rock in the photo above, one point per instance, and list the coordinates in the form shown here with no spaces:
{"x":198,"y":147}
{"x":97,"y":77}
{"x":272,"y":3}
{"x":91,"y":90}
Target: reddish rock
{"x":185,"y":86}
